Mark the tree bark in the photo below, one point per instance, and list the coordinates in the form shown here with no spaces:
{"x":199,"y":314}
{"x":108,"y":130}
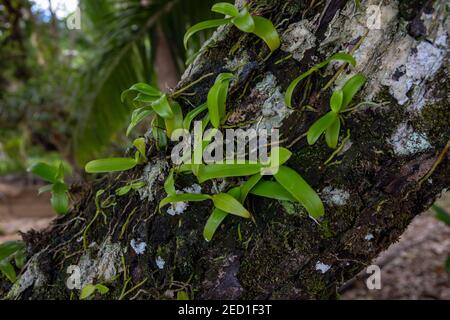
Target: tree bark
{"x":391,"y":167}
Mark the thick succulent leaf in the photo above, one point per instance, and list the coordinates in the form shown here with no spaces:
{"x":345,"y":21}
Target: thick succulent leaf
{"x":332,"y":133}
{"x":184,"y":197}
{"x":340,"y":56}
{"x":351,"y":88}
{"x":192,"y":115}
{"x":142,"y":88}
{"x":229,"y":204}
{"x":87,"y":291}
{"x":319,"y":127}
{"x":8,"y":271}
{"x":110,"y":165}
{"x":203,"y":26}
{"x":176,"y":122}
{"x":300,"y":189}
{"x":60,"y":198}
{"x":44,"y":171}
{"x":244,"y":21}
{"x":169,"y":185}
{"x":217,"y":97}
{"x":214,"y":171}
{"x":137,"y":116}
{"x":9,"y":248}
{"x":272,"y":190}
{"x":248,"y":186}
{"x":225,"y":8}
{"x":163,"y":108}
{"x":265,"y":30}
{"x":336,"y":100}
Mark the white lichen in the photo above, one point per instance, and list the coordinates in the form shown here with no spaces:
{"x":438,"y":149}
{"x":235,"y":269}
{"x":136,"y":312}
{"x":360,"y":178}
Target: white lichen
{"x":153,"y":173}
{"x":322,"y":267}
{"x":335,"y":196}
{"x":369,"y":237}
{"x":298,"y":38}
{"x":160,"y":263}
{"x":177,"y":208}
{"x":406,"y":141}
{"x":138,"y":246}
{"x":31,"y":277}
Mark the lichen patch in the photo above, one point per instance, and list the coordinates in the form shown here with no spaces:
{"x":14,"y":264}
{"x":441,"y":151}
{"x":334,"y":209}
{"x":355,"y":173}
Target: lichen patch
{"x":406,"y":141}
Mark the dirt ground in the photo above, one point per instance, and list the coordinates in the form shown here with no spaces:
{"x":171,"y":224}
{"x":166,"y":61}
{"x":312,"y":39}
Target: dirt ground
{"x":413,"y":268}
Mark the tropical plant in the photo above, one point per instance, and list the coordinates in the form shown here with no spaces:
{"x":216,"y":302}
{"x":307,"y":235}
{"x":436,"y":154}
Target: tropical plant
{"x":12,"y":251}
{"x":243,"y":20}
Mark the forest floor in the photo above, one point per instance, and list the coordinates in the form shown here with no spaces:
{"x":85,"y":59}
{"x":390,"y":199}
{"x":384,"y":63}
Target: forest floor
{"x":413,"y":268}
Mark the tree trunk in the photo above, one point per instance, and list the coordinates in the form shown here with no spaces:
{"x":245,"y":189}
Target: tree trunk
{"x":392,"y":165}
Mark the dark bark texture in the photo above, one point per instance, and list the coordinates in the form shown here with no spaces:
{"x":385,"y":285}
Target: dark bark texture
{"x":392,"y":165}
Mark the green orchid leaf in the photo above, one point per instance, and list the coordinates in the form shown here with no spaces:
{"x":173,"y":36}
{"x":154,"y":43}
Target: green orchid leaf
{"x":20,"y":258}
{"x":351,"y":88}
{"x":140,"y":145}
{"x":169,"y":185}
{"x":203,"y":26}
{"x":192,"y":115}
{"x":319,"y":127}
{"x":290,"y":90}
{"x":214,"y":171}
{"x":60,"y":199}
{"x":184,"y":197}
{"x":137,"y":185}
{"x":440,"y":214}
{"x":217,"y":98}
{"x":110,"y":165}
{"x":102,"y":289}
{"x":146,"y":99}
{"x":141,"y":88}
{"x":272,"y":190}
{"x":336,"y":100}
{"x":162,"y":108}
{"x":8,"y":271}
{"x":244,"y":21}
{"x":87,"y":291}
{"x":340,"y":56}
{"x":9,"y":248}
{"x":265,"y":30}
{"x":300,"y":189}
{"x":137,"y":116}
{"x":229,"y":204}
{"x":332,"y":133}
{"x":176,"y":122}
{"x":123,"y":190}
{"x":46,"y":188}
{"x":158,"y":132}
{"x":247,"y":187}
{"x":44,"y":171}
{"x":182,"y":296}
{"x":225,"y":8}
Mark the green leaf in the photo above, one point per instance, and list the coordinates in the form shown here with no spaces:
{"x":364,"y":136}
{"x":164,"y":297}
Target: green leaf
{"x":244,"y":21}
{"x":202,"y":26}
{"x":440,"y":214}
{"x":20,"y":258}
{"x":169,"y":185}
{"x":158,"y":132}
{"x":272,"y":190}
{"x":290,"y":90}
{"x":145,"y":98}
{"x":110,"y":165}
{"x":332,"y":133}
{"x":140,"y":145}
{"x":45,"y":171}
{"x":192,"y":115}
{"x":9,"y":248}
{"x":225,"y":8}
{"x":137,"y":185}
{"x":176,"y":122}
{"x":351,"y":88}
{"x":8,"y":271}
{"x":102,"y":289}
{"x":143,"y":88}
{"x":265,"y":30}
{"x":217,"y":97}
{"x":319,"y":127}
{"x":184,"y":197}
{"x":340,"y":56}
{"x":137,"y":116}
{"x":300,"y":189}
{"x":87,"y":291}
{"x":336,"y":100}
{"x":214,"y":171}
{"x":123,"y":190}
{"x":229,"y":204}
{"x":247,"y":187}
{"x":46,"y":188}
{"x":162,"y":107}
{"x":60,"y":199}
{"x":182,"y":295}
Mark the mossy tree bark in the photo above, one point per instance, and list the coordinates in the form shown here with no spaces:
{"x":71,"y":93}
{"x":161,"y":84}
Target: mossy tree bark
{"x":391,"y":167}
